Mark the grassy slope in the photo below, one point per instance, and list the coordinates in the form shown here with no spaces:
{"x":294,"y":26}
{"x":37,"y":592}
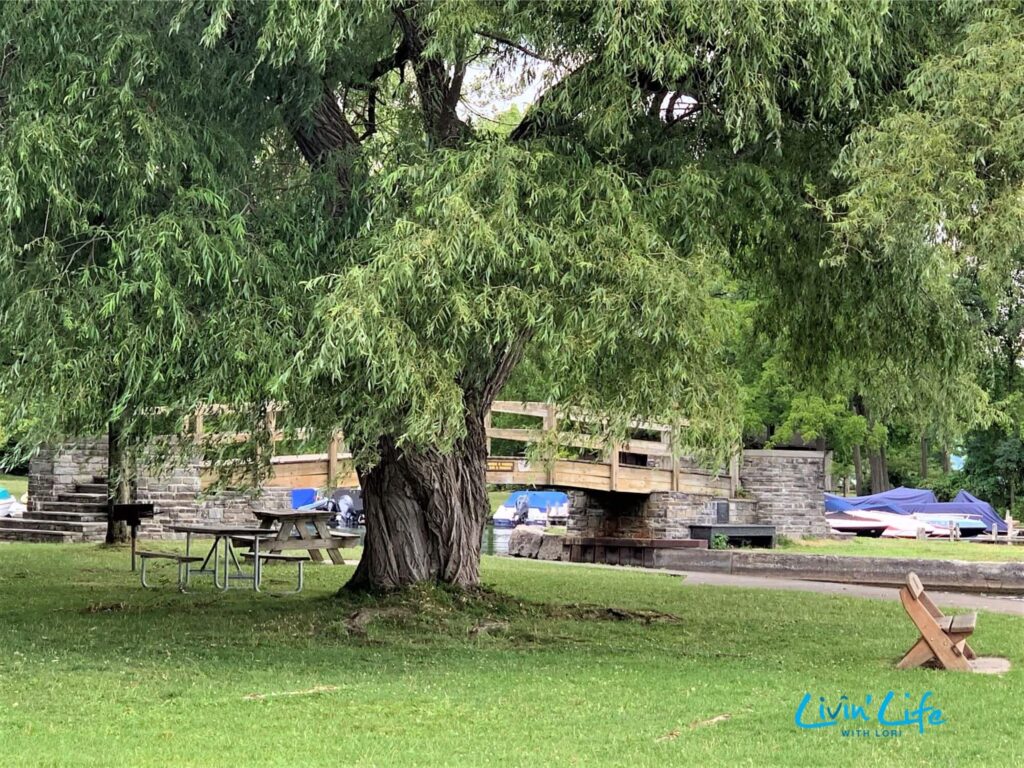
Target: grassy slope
{"x":95,"y":671}
{"x":945,"y":550}
{"x":16,"y":484}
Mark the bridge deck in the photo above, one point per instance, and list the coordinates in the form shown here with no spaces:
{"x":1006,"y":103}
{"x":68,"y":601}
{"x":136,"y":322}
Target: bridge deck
{"x":604,"y":468}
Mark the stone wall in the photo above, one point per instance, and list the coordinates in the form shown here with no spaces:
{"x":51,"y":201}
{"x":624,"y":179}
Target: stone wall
{"x":596,"y":513}
{"x":59,"y":470}
{"x":789,"y":487}
{"x":780,"y":488}
{"x":176,"y":493}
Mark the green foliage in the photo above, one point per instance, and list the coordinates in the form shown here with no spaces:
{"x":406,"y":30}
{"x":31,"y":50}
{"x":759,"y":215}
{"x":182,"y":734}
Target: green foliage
{"x":181,"y":225}
{"x":935,"y":188}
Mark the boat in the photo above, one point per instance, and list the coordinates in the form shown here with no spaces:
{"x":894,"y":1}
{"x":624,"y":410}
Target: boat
{"x":966,"y":512}
{"x":896,"y":526}
{"x":967,"y":526}
{"x":9,"y":506}
{"x":843,"y":522}
{"x":540,"y":508}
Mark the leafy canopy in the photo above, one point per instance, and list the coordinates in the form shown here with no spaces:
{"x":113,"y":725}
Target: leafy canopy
{"x":242,"y":202}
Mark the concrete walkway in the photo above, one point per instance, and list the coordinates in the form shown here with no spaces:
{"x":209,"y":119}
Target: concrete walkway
{"x":976,"y":602}
{"x":962,"y":600}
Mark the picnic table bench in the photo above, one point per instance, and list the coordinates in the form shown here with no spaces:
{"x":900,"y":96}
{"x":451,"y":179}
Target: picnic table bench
{"x":943,"y":639}
{"x":299,"y":522}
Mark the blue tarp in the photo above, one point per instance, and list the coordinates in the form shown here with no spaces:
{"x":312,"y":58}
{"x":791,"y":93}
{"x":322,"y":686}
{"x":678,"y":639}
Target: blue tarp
{"x":988,"y":514}
{"x":907,"y":501}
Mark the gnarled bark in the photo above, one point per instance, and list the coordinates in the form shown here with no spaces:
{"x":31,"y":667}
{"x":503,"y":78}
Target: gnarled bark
{"x":425,"y":513}
{"x":119,"y":483}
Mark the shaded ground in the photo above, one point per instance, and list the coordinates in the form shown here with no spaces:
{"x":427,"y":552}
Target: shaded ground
{"x":551,"y":665}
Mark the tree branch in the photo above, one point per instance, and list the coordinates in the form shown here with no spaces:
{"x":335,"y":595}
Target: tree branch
{"x":325,"y":137}
{"x":512,"y":44}
{"x":439,"y":93}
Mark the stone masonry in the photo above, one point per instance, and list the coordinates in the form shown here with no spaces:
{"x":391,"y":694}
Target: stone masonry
{"x":175,"y":493}
{"x":789,"y":487}
{"x":780,"y":488}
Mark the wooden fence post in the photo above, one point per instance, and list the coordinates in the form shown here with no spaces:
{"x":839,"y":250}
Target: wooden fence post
{"x":332,"y":461}
{"x":271,"y":413}
{"x":550,"y":425}
{"x":614,"y":474}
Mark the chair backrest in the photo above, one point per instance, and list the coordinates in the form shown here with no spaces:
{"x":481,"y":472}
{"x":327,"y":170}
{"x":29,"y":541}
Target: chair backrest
{"x":914,"y":585}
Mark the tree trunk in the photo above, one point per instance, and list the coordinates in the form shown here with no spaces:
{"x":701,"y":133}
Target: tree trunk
{"x":879,"y":471}
{"x":119,"y":490}
{"x":858,"y":470}
{"x":425,"y":514}
{"x":924,"y":457}
{"x":946,"y":464}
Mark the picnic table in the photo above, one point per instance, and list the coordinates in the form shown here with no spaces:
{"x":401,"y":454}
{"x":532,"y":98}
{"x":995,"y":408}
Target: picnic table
{"x":222,"y":539}
{"x":300,"y":521}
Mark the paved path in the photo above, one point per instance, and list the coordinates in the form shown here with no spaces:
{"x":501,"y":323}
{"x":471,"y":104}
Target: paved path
{"x":978,"y":602}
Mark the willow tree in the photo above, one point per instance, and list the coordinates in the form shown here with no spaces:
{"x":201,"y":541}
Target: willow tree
{"x":939,"y":179}
{"x":240,"y":201}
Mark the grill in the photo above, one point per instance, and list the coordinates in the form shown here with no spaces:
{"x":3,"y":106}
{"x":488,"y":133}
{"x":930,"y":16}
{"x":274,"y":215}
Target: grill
{"x":133,"y":514}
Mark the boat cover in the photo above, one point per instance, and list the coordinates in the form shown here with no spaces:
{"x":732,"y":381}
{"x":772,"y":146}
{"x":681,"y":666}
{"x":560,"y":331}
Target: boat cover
{"x":907,"y":501}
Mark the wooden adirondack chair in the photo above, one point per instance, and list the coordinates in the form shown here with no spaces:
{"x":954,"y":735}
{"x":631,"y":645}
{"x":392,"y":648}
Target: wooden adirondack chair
{"x":943,"y":640}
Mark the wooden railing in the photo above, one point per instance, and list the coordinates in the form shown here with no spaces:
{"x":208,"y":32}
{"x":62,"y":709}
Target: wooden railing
{"x":637,"y":465}
{"x":600,"y":467}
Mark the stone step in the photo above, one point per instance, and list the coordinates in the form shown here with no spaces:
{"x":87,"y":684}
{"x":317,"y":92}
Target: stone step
{"x":83,"y":498}
{"x":72,"y":506}
{"x":71,"y":514}
{"x":35,"y":534}
{"x":67,"y":526}
{"x":91,"y":488}
{"x":100,"y":479}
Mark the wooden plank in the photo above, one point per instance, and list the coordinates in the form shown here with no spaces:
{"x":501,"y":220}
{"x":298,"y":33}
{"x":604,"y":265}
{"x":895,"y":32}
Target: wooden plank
{"x":613,"y":475}
{"x":648,"y":447}
{"x":520,"y":409}
{"x":332,"y":460}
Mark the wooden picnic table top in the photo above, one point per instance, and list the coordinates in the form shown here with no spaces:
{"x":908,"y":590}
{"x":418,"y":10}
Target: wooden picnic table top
{"x":222,"y":530}
{"x":296,"y":514}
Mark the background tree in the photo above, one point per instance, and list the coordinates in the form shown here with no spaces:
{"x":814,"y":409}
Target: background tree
{"x":937,"y":182}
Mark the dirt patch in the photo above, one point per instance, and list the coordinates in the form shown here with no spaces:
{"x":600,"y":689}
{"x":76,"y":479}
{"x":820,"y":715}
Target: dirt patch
{"x":990,"y":665}
{"x":599,"y":613}
{"x":107,"y":608}
{"x":308,"y":692}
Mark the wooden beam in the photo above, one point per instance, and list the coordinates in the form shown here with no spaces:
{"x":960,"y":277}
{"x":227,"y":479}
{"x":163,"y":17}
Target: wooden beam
{"x":613,"y":480}
{"x":332,"y":461}
{"x":734,"y":475}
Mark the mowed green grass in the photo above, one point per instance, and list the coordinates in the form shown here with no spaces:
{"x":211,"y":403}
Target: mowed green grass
{"x":930,"y":549}
{"x":16,"y":484}
{"x":96,"y":671}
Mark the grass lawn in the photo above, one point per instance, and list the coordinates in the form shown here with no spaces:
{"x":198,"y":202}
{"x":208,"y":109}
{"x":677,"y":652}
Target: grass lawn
{"x":497,"y":498}
{"x":932,"y":549}
{"x":16,"y":484}
{"x":96,"y":671}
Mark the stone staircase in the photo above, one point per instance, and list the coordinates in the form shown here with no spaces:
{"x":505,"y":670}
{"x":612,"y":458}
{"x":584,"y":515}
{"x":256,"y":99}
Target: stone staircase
{"x":71,"y":517}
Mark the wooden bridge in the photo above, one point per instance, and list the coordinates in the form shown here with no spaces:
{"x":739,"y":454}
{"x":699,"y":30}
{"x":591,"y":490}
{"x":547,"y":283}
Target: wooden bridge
{"x":640,"y":465}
